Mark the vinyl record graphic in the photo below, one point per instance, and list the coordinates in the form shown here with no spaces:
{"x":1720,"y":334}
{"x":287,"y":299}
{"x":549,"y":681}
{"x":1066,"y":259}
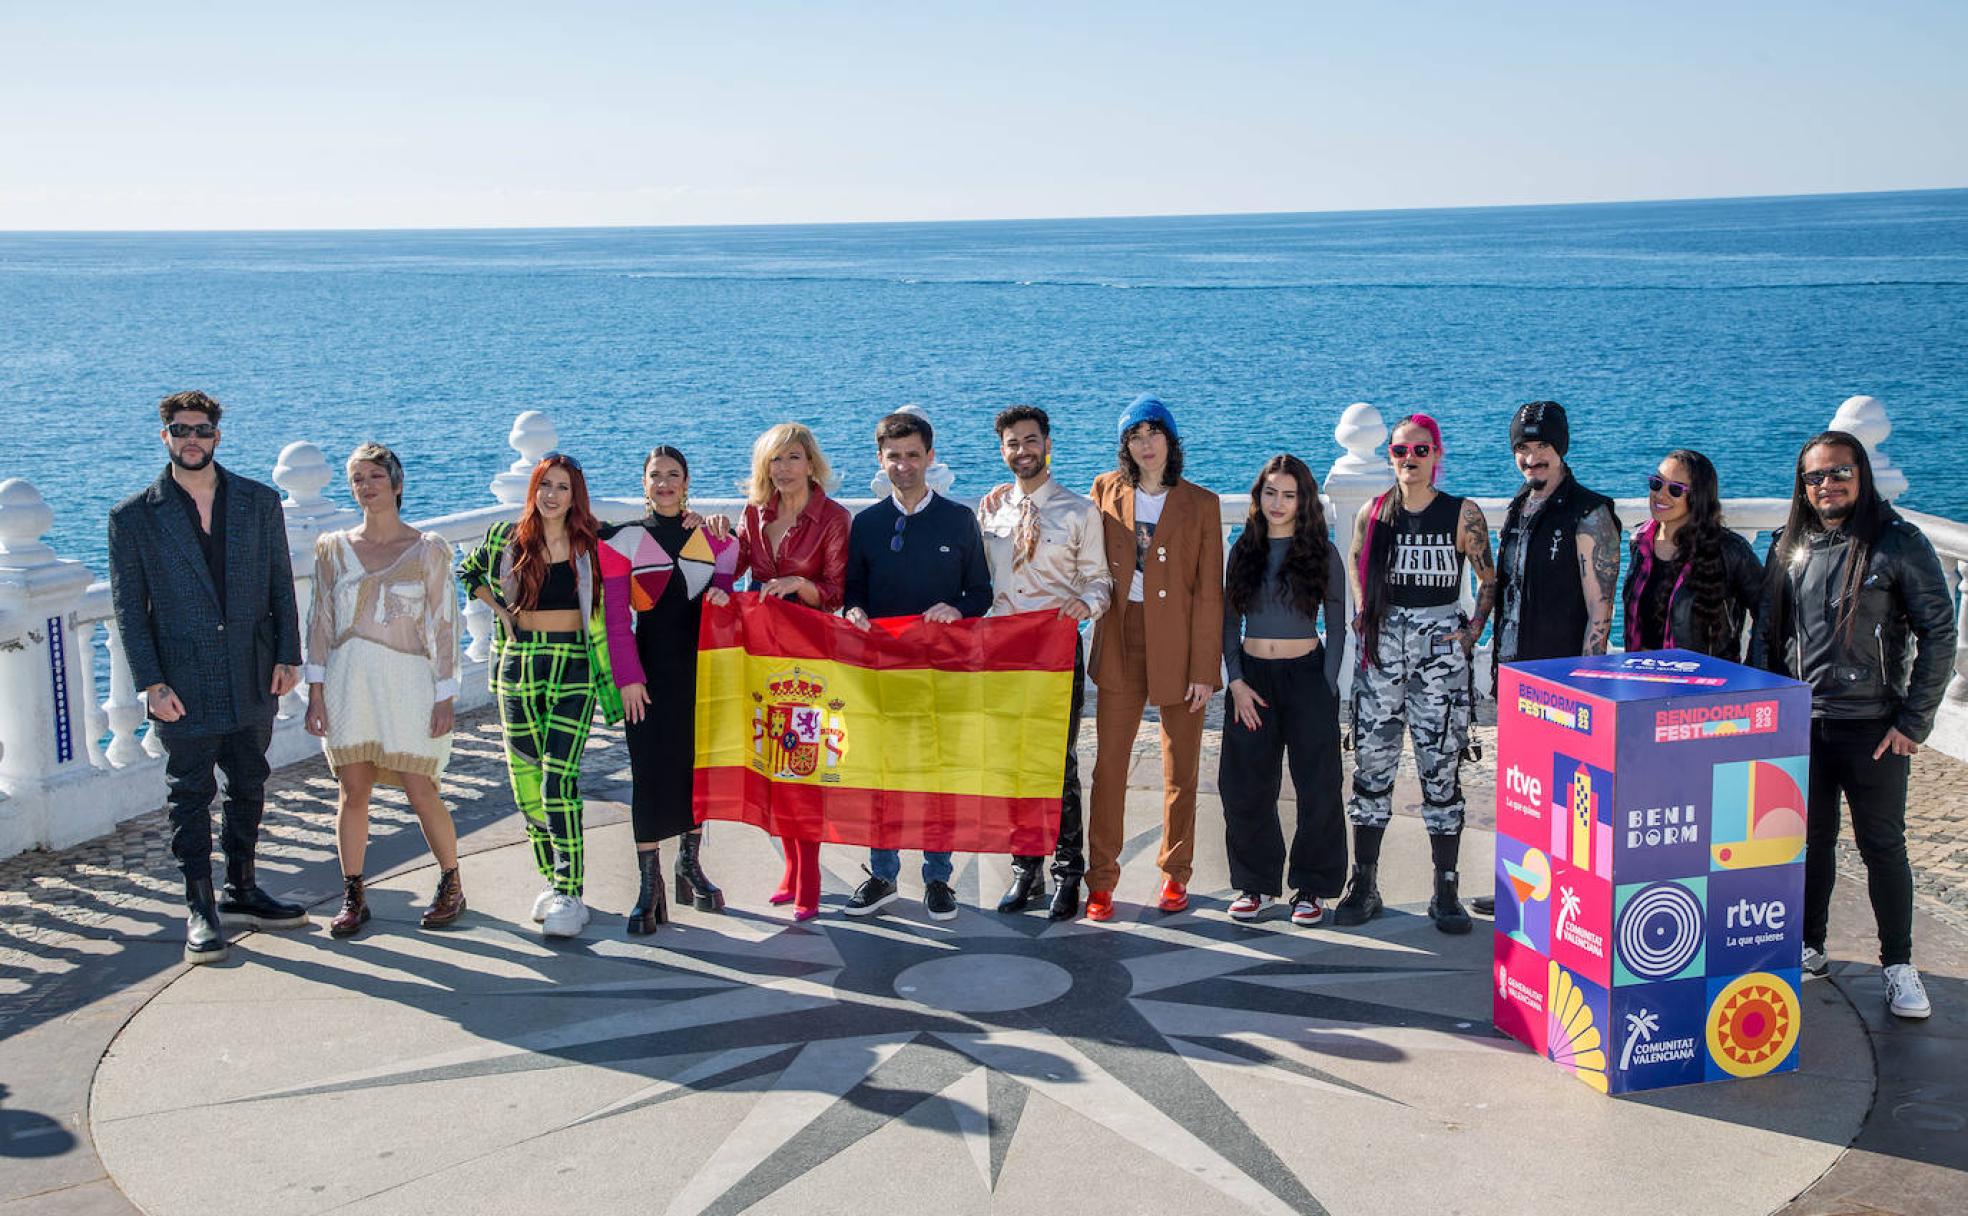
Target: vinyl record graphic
{"x":1659,"y":931}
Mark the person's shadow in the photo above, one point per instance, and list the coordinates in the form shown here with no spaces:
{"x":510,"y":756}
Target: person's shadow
{"x":25,"y":1133}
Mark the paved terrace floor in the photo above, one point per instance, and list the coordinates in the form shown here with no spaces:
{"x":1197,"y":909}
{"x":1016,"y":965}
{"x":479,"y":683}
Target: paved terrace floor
{"x":736,"y":1063}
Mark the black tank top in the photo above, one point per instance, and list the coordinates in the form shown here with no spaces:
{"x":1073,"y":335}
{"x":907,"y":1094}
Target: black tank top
{"x":558,"y":591}
{"x":1425,"y":568}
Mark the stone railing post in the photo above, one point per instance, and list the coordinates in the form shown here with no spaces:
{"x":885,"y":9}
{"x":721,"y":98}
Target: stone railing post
{"x":304,"y":475}
{"x":124,"y":710}
{"x":533,"y":436}
{"x":1352,"y":482}
{"x":1865,"y":419}
{"x":1957,"y":689}
{"x":43,"y":720}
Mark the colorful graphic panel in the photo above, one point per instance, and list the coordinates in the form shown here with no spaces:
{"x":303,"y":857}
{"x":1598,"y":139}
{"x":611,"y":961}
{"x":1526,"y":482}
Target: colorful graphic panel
{"x":1756,"y":919}
{"x":1758,"y":812}
{"x":1659,"y":931}
{"x":1752,"y":1024}
{"x":1582,"y":818}
{"x":1523,"y":894}
{"x":1581,"y":922}
{"x":1658,"y":1035}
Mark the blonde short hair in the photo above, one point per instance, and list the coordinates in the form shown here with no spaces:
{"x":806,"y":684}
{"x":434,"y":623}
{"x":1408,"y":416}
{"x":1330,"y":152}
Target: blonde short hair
{"x":776,"y":440}
{"x":382,"y":458}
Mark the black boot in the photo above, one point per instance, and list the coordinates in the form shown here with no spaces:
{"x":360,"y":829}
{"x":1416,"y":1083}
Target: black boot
{"x":205,"y":941}
{"x":244,"y":905}
{"x":692,"y":886}
{"x":1361,"y":903}
{"x":650,"y":907}
{"x":1027,"y":883}
{"x":1446,"y":909}
{"x":1065,"y":900}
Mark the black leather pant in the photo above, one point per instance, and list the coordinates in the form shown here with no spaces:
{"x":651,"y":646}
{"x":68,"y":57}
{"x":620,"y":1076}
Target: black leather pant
{"x":189,"y":764}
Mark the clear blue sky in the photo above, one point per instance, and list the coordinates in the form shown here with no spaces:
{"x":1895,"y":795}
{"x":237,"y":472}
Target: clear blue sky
{"x":358,"y":114}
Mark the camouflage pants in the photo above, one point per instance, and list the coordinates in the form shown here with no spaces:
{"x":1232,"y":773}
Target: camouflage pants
{"x":1424,"y":693}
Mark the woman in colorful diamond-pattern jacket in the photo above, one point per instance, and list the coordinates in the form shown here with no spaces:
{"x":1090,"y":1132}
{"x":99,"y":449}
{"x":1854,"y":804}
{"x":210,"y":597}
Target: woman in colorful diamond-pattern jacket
{"x":654,"y":574}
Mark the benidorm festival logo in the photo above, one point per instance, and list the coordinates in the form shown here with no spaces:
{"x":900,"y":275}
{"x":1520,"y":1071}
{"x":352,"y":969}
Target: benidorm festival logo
{"x":1757,"y":815}
{"x":1545,"y":705}
{"x":796,"y":730}
{"x":1682,"y":725}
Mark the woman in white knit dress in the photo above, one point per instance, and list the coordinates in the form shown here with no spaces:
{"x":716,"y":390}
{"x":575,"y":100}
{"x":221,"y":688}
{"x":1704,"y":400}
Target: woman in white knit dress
{"x":382,"y":674}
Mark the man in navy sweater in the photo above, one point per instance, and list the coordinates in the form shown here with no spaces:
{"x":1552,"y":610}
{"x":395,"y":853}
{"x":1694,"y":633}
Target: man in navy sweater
{"x":913,"y":553}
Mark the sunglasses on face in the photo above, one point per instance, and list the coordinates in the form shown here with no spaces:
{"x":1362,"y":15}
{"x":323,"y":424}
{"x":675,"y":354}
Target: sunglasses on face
{"x":1837,"y":472}
{"x":192,"y":430}
{"x":1422,"y":451}
{"x":1675,"y":489}
{"x":563,"y":458}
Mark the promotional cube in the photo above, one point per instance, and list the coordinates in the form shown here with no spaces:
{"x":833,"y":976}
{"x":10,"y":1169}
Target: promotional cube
{"x":1650,"y":866}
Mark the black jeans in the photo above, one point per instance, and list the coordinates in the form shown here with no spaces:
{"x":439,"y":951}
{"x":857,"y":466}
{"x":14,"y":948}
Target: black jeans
{"x":1876,"y":792}
{"x":188,"y":767}
{"x":1302,"y":723}
{"x":1069,"y":854}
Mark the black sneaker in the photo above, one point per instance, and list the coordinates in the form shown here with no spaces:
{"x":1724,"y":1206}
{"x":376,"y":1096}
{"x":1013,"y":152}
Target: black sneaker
{"x":1485,"y":905}
{"x":940,"y":901}
{"x":870,"y":897}
{"x":252,"y":908}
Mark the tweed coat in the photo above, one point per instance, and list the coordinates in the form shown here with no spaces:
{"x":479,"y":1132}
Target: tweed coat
{"x":167,"y":609}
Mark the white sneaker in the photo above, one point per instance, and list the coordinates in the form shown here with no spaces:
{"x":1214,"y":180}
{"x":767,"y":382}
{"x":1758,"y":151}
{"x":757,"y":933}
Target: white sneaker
{"x":1248,"y":905}
{"x":1905,"y":995}
{"x":1817,"y":963}
{"x":540,"y":903}
{"x":565,"y":916}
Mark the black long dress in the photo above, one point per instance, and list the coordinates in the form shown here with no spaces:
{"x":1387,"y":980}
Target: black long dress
{"x":662,"y":747}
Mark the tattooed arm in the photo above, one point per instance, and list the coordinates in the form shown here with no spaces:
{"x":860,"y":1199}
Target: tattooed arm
{"x":1353,"y":561}
{"x":1473,"y":539}
{"x":1599,"y":567}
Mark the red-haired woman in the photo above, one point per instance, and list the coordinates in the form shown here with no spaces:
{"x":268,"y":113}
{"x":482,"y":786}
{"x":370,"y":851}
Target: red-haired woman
{"x":793,"y":540}
{"x":549,"y":667}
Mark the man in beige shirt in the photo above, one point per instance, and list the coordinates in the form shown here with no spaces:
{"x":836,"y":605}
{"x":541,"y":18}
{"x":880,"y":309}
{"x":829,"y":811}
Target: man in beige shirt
{"x":1046,"y":551}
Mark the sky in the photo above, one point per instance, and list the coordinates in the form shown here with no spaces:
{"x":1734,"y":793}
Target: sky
{"x":577,"y":113}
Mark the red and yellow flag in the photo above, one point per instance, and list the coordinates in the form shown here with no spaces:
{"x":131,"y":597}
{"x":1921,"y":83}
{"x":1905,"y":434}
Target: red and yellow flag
{"x":908,"y":736}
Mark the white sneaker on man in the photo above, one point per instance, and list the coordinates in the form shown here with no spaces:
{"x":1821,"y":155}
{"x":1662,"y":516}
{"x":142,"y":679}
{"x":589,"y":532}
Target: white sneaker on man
{"x":565,"y":916}
{"x":540,"y":903}
{"x":1906,"y":997}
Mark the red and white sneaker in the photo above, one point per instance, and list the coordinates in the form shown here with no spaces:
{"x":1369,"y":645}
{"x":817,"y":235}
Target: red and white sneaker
{"x":1307,"y":910}
{"x":1249,"y":905}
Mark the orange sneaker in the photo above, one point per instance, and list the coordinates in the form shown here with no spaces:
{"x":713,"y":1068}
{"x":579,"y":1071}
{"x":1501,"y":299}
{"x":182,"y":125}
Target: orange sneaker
{"x":1175,"y":896}
{"x":1100,"y":905}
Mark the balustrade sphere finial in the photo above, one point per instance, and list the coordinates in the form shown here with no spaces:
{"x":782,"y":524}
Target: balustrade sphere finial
{"x":303,"y":473}
{"x":1361,"y":431}
{"x":24,"y":520}
{"x":533,"y":436}
{"x":1864,"y":418}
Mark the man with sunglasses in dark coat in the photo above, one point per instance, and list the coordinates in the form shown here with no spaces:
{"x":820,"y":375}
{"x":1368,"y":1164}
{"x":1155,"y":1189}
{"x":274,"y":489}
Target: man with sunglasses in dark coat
{"x":1848,"y":583}
{"x":202,"y":585}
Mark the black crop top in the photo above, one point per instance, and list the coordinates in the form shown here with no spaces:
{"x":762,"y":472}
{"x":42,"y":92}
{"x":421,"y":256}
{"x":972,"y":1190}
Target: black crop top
{"x":558,"y":592}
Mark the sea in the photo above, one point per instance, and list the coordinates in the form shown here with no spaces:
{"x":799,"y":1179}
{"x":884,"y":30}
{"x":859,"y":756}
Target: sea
{"x":1733,"y":326}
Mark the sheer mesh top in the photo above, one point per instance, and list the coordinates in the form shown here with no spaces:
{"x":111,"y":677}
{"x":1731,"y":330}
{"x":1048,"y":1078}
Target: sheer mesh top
{"x":409,"y":605}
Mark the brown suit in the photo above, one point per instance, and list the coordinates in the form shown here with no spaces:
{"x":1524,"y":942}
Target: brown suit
{"x":1149,"y":653}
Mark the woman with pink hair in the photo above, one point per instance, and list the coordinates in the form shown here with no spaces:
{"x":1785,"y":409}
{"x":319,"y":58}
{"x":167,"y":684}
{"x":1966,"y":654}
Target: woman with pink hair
{"x":1409,"y":549}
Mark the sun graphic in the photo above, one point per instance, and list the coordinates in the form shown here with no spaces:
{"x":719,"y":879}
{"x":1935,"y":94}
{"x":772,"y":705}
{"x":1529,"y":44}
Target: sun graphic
{"x":1752,"y":1025}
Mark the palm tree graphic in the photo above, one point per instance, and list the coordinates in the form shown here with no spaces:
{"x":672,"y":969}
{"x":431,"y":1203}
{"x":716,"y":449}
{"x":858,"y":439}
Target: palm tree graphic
{"x":1568,"y":907}
{"x":1640,"y":1028}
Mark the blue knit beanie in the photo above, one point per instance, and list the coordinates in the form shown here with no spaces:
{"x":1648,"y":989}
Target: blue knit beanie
{"x":1148,"y":408}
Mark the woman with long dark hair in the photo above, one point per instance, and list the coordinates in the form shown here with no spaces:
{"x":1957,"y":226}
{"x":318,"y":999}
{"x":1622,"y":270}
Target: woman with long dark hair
{"x":793,"y":540}
{"x":1284,"y":697}
{"x":1690,"y":581}
{"x":1161,"y":644}
{"x":1409,"y":549}
{"x":549,"y":670}
{"x":654,"y":574}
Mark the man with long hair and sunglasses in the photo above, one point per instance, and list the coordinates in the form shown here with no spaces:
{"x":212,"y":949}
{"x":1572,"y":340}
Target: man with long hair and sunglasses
{"x":914,"y":553}
{"x":203,"y":591}
{"x":1847,"y":585}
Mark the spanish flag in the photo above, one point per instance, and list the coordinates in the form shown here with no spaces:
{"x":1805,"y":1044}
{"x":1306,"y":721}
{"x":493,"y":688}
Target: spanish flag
{"x":908,"y":736}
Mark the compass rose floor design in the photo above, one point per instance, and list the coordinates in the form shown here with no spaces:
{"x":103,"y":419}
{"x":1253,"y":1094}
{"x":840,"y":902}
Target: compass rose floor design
{"x":738,"y":1063}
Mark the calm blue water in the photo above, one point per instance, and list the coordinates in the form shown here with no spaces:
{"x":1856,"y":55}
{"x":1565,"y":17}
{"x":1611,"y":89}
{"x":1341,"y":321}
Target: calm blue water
{"x":1733,"y":326}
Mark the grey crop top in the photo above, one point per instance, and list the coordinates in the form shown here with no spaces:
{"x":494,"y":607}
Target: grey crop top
{"x":1274,"y":616}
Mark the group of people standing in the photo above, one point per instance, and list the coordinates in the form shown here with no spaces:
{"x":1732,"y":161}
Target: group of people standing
{"x":594,"y":618}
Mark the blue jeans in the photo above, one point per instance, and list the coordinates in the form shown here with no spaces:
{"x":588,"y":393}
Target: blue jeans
{"x":887,"y":865}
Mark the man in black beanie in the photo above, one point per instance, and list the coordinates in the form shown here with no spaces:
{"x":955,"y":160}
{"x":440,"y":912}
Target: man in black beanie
{"x":1558,"y":555}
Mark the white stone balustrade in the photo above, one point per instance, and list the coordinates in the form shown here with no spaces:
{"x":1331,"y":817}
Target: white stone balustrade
{"x":71,"y":768}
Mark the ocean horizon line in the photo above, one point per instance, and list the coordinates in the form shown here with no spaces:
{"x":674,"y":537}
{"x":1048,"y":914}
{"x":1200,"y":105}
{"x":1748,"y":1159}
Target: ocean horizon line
{"x":985,"y":221}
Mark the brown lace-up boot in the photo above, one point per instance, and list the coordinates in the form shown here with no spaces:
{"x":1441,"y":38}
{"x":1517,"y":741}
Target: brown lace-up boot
{"x":449,"y":902}
{"x":355,"y":908}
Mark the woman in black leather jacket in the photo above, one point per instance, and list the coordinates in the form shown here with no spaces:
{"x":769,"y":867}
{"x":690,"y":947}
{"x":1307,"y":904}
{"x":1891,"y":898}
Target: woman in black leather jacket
{"x":1690,"y":582}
